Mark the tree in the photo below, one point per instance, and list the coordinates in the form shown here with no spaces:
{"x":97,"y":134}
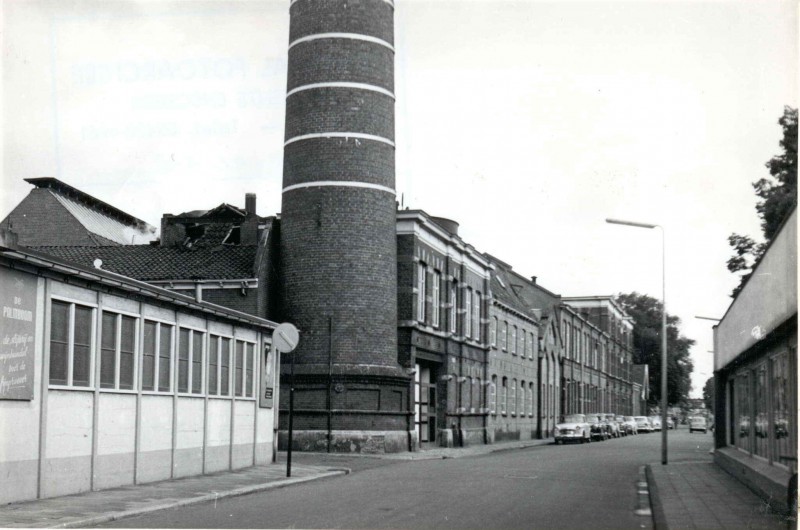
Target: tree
{"x":778,"y":196}
{"x":708,"y":394}
{"x":646,"y":313}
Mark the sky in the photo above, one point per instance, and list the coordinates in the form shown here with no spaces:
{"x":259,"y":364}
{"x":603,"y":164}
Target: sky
{"x":529,"y":123}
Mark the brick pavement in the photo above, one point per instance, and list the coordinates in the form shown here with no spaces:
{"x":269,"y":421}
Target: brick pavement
{"x":701,"y":495}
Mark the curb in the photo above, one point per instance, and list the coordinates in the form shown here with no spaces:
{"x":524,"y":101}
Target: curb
{"x":659,"y":518}
{"x":100,"y":519}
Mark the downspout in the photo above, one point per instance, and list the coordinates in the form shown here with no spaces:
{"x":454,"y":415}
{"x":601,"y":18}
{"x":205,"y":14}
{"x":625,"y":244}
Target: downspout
{"x":330,"y":381}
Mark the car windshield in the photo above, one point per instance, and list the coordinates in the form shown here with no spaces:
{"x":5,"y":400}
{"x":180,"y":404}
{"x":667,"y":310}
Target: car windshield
{"x":619,"y":418}
{"x":590,"y":418}
{"x":574,"y":418}
{"x":629,"y":418}
{"x":641,"y":419}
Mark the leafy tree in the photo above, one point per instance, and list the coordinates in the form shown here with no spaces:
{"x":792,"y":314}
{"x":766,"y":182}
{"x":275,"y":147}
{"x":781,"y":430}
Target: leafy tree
{"x":646,"y":313}
{"x":708,"y":394}
{"x":778,"y":194}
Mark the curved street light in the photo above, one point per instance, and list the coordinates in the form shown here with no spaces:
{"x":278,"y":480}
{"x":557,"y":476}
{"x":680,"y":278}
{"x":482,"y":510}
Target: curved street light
{"x":663,"y":329}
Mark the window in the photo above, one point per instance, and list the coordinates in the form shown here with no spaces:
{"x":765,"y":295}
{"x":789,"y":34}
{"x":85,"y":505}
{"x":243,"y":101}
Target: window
{"x":157,"y":356}
{"x":523,"y":398}
{"x":468,"y":313}
{"x":504,"y":396}
{"x":493,"y":395}
{"x":476,"y":315}
{"x":453,"y":308}
{"x":512,"y":398}
{"x":244,"y":368}
{"x":531,"y":344}
{"x":504,"y":336}
{"x":71,"y":345}
{"x":742,"y":415}
{"x":117,"y":351}
{"x":190,"y":361}
{"x":761,"y":413}
{"x":522,"y":342}
{"x":219,"y":361}
{"x":421,"y":292}
{"x":493,"y":331}
{"x":784,"y":422}
{"x":530,"y":399}
{"x":514,"y":339}
{"x":437,"y":277}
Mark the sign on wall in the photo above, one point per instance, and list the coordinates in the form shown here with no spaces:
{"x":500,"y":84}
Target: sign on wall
{"x":267,"y":399}
{"x":17,"y":331}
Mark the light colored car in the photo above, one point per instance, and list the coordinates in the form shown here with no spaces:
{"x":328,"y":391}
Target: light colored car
{"x":611,"y":419}
{"x":572,"y":427}
{"x":631,"y":423}
{"x":655,"y":421}
{"x":643,"y":424}
{"x":624,"y":428}
{"x":698,"y":423}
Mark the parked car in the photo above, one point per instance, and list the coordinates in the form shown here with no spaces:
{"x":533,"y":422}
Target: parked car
{"x":624,"y":428}
{"x":698,"y":423}
{"x":643,"y":424}
{"x":599,"y":429}
{"x":670,"y":423}
{"x":611,"y":420}
{"x":655,"y":421}
{"x":631,"y":425}
{"x":572,"y":427}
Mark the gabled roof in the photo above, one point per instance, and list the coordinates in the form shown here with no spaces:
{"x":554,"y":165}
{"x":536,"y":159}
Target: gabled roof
{"x":153,"y":263}
{"x":95,"y":215}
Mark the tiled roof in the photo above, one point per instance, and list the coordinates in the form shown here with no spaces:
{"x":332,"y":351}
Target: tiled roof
{"x":152,"y":263}
{"x":503,"y":289}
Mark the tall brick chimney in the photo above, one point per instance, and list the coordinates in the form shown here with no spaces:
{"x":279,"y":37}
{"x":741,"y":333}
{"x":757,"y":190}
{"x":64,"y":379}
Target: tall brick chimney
{"x":338,"y":246}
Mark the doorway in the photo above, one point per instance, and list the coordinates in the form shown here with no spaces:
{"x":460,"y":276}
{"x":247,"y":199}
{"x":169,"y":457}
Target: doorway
{"x":425,"y":405}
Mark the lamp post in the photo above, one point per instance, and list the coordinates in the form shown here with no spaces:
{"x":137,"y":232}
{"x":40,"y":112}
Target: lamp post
{"x":663,"y":330}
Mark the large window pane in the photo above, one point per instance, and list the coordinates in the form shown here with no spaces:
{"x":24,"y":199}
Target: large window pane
{"x":239,"y":374}
{"x":59,"y":336}
{"x":108,"y":351}
{"x":127,"y":347}
{"x":197,"y":362}
{"x":164,"y":358}
{"x":149,"y":356}
{"x":249,"y":367}
{"x":225,"y":363}
{"x":761,"y":414}
{"x":183,"y":360}
{"x":213,"y":355}
{"x":781,"y":402}
{"x":82,"y":350}
{"x":743,"y":410}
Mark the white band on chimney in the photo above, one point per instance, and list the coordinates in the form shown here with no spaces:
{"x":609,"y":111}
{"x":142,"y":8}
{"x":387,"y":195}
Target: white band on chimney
{"x":390,"y":2}
{"x":341,"y":183}
{"x":341,"y":84}
{"x":345,"y":135}
{"x":354,"y":36}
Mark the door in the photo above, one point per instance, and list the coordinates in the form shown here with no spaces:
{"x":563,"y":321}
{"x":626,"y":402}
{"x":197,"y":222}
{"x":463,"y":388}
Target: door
{"x":425,"y":405}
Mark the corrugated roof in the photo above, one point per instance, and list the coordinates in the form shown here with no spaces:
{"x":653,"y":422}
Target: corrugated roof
{"x":98,"y":223}
{"x":152,"y":263}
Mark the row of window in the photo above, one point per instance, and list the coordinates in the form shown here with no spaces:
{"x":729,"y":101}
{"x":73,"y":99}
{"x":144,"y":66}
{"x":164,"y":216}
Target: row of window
{"x":206,"y":364}
{"x":512,"y":339}
{"x":470,"y":298}
{"x":763,"y":420}
{"x":510,"y":400}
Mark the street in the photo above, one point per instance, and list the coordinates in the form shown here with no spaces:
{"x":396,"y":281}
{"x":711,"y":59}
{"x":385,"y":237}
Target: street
{"x":572,"y":486}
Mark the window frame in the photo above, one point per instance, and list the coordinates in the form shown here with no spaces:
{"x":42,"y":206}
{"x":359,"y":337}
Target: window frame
{"x":493,"y":332}
{"x":137,"y":351}
{"x":70,"y":344}
{"x":191,"y":362}
{"x":422,"y":273}
{"x":468,"y":312}
{"x":246,"y":394}
{"x":219,"y":379}
{"x":173,"y":343}
{"x":436,"y":279}
{"x":453,"y":307}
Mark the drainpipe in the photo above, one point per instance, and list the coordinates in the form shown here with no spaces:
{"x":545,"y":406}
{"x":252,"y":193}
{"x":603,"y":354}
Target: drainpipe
{"x":330,"y":381}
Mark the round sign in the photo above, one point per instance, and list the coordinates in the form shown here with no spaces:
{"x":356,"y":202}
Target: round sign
{"x":285,"y":337}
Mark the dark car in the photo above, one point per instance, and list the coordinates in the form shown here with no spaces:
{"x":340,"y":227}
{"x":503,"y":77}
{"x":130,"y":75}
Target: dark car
{"x":598,"y":429}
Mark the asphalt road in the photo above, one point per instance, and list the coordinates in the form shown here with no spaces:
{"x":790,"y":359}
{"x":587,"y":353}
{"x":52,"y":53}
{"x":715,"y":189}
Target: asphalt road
{"x":572,"y":486}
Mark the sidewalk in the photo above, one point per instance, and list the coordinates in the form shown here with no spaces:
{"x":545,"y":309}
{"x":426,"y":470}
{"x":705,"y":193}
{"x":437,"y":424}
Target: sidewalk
{"x":701,"y":495}
{"x":98,"y":507}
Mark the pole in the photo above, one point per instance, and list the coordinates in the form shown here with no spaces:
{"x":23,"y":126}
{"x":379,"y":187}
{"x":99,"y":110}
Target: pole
{"x":664,"y":427}
{"x":291,"y":418}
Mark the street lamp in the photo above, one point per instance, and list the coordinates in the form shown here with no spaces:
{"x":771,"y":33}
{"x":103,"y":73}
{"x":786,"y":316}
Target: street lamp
{"x":663,"y":330}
